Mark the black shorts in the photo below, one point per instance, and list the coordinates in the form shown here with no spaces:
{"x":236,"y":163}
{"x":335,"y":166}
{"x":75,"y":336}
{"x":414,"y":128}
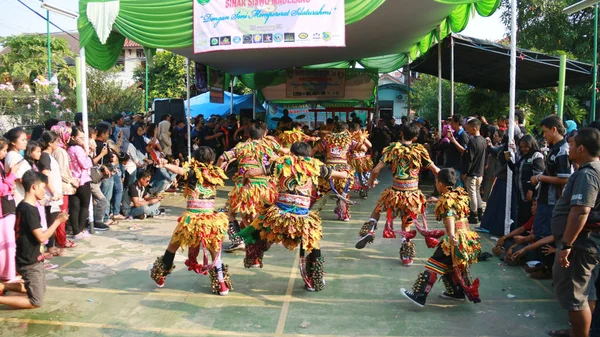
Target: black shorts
{"x":35,"y":282}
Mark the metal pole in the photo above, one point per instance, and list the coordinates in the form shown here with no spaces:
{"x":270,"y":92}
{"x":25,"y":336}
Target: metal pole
{"x":439,"y":78}
{"x":511,"y":115}
{"x":231,"y":100}
{"x":254,"y":104}
{"x":408,"y":85}
{"x":561,"y":85}
{"x":593,"y":114}
{"x":146,"y":89}
{"x":48,"y":45}
{"x":451,"y":75}
{"x":78,"y":83}
{"x":189,"y":111}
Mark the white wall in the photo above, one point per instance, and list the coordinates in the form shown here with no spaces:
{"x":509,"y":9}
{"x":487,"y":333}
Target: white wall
{"x":391,"y":95}
{"x":131,"y":62}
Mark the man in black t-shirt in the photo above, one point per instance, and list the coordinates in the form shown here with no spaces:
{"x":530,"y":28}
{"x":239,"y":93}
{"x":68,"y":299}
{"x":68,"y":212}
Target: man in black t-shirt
{"x":144,"y":205}
{"x":458,"y":144}
{"x":473,"y":165}
{"x":208,"y":135}
{"x":30,"y":235}
{"x":556,"y":173}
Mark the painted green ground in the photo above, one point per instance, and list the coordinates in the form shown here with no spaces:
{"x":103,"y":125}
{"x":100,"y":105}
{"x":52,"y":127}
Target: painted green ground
{"x":103,"y":289}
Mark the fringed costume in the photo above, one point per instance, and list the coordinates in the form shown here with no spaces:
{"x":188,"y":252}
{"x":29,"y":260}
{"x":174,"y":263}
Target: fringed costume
{"x":249,"y":200}
{"x":336,"y":147}
{"x":289,"y":221}
{"x":361,"y":162}
{"x":451,"y":262}
{"x":287,"y":138}
{"x":403,"y":199}
{"x":199,"y":227}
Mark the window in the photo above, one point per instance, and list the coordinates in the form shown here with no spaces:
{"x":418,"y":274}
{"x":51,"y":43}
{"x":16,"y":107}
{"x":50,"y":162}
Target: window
{"x":121,"y":60}
{"x":140,"y":53}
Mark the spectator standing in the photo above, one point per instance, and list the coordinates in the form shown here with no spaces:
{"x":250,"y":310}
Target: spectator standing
{"x":8,"y":268}
{"x":80,"y":165}
{"x":144,"y":204}
{"x":54,"y":198}
{"x":474,"y":163}
{"x":577,"y":253}
{"x":458,"y":144}
{"x":521,"y":121}
{"x":556,"y":172}
{"x":69,"y":183}
{"x":179,"y":140}
{"x":17,"y":142}
{"x":530,"y":162}
{"x":119,"y":127}
{"x":208,"y":135}
{"x":164,"y":134}
{"x":101,"y":159}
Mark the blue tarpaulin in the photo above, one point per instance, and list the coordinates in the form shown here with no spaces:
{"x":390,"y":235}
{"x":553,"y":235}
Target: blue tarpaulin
{"x":201,"y":105}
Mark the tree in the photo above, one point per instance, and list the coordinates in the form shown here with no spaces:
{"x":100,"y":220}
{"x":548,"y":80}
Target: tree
{"x":28,"y":58}
{"x":166,"y":77}
{"x":107,"y":96}
{"x":424,"y":97}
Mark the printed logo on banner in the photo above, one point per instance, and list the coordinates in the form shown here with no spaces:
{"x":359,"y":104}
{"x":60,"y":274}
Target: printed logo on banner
{"x":316,"y":36}
{"x":237,"y":39}
{"x":214,"y":41}
{"x":289,"y":37}
{"x":246,"y":39}
{"x":278,"y":37}
{"x":257,"y":38}
{"x":203,"y":2}
{"x":303,"y":36}
{"x":225,"y":40}
{"x":326,"y":36}
{"x":267,"y":38}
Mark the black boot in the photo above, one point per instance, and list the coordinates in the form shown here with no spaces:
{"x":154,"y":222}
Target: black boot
{"x":366,"y":234}
{"x":453,"y":291}
{"x":480,"y":214}
{"x":422,"y":287}
{"x":237,"y":243}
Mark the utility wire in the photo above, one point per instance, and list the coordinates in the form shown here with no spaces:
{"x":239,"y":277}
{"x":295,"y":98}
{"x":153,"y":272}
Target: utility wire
{"x":41,"y":16}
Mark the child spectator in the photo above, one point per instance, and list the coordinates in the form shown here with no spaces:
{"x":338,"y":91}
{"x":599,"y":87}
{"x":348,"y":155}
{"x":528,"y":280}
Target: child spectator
{"x":29,"y":238}
{"x":8,"y":269}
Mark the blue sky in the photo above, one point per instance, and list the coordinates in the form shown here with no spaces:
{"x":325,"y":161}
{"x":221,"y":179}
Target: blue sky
{"x":17,"y":19}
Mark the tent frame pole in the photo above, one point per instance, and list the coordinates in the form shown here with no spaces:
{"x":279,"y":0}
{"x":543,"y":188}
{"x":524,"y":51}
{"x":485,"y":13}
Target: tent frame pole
{"x":452,"y":75}
{"x":408,"y":84}
{"x":231,"y":97}
{"x":511,"y":115}
{"x":189,"y":111}
{"x":440,"y":78}
{"x":595,"y":75}
{"x":254,"y":104}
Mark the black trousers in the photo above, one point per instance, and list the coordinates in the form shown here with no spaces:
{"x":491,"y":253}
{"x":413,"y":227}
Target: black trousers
{"x":79,"y":207}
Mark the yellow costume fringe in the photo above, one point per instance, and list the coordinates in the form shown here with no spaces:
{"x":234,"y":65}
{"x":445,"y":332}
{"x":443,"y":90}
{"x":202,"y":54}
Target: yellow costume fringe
{"x":251,"y":200}
{"x":290,"y":229}
{"x":455,"y":204}
{"x":361,"y":164}
{"x":197,"y":225}
{"x":405,"y":202}
{"x":408,"y":159}
{"x":287,"y":138}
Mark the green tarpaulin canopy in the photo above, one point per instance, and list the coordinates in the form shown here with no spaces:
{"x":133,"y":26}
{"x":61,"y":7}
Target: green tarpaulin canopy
{"x":380,"y":34}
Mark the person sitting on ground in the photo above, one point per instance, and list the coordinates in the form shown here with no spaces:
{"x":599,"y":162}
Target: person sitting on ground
{"x":30,"y":235}
{"x":144,"y":204}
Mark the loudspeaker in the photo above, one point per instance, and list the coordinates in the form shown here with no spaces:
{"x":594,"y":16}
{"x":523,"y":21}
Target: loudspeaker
{"x":173,"y":106}
{"x":245,"y":113}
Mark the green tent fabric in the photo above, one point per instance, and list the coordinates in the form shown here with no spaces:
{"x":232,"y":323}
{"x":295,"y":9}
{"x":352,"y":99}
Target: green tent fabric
{"x":163,"y":24}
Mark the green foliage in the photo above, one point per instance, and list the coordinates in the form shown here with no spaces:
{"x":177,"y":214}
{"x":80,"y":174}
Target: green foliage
{"x":28,"y":58}
{"x":424,"y":97}
{"x":107,"y":96}
{"x":166,"y":77}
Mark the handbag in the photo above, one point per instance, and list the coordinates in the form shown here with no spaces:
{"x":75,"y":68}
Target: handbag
{"x":96,"y":174}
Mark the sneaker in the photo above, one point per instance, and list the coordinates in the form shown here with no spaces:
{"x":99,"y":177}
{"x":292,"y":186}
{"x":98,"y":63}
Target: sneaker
{"x":156,"y":212}
{"x":79,"y":236}
{"x":101,"y":227}
{"x":419,"y":301}
{"x":141,"y":217}
{"x":256,"y":264}
{"x":162,"y":210}
{"x":362,"y":242}
{"x":407,"y":262}
{"x":454,"y":297}
{"x":86,"y":233}
{"x":223,"y":290}
{"x":235,"y":246}
{"x":473,"y":220}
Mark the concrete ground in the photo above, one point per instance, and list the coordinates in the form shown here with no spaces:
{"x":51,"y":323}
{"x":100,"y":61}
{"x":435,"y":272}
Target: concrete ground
{"x":102,"y":288}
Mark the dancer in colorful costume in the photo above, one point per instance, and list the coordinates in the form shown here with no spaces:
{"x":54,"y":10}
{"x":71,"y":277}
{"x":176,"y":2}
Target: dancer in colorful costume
{"x":287,"y":138}
{"x":360,"y":161}
{"x":457,"y":251}
{"x":199,"y":226}
{"x":289,"y":221}
{"x":336,"y":147}
{"x":404,"y":198}
{"x":248,"y":199}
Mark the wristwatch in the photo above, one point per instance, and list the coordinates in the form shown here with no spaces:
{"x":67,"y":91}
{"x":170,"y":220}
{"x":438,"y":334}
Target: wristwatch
{"x":566,"y":246}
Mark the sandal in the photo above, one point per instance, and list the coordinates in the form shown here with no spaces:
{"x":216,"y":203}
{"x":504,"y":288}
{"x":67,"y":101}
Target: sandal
{"x":47,"y":255}
{"x":56,"y":251}
{"x":68,"y":244}
{"x":560,"y":333}
{"x":484,"y":256}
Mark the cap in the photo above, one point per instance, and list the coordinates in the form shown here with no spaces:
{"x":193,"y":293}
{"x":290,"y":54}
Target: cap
{"x":420,"y":120}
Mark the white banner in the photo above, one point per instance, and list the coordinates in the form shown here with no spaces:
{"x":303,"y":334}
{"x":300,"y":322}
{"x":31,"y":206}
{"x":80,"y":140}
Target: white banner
{"x":256,"y":24}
